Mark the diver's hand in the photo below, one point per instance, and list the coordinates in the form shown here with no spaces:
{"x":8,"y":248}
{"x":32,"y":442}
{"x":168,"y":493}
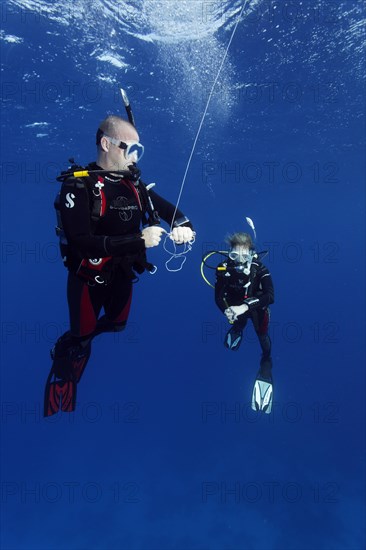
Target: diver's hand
{"x":152,"y":235}
{"x":181,"y":235}
{"x":233,"y":312}
{"x":230,"y":315}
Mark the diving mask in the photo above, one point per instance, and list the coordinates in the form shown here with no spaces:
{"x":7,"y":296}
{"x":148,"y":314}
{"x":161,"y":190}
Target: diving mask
{"x":242,"y":260}
{"x":133,"y":150}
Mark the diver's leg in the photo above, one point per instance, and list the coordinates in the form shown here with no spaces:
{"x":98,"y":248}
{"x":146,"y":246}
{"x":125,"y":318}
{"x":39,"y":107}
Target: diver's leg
{"x":72,"y":350}
{"x":265,"y":370}
{"x":234,"y":335}
{"x":117,"y":306}
{"x":262,"y":397}
{"x":85,"y":303}
{"x":70,"y":355}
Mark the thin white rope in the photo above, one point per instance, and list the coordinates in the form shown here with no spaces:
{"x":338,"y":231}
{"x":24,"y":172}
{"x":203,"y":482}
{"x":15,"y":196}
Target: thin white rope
{"x":206,"y":108}
{"x":180,"y":256}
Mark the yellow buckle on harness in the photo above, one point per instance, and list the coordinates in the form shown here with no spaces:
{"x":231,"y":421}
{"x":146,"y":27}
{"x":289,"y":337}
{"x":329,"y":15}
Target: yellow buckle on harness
{"x":81,"y":174}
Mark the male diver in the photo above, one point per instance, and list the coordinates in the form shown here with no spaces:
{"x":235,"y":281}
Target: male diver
{"x":107,"y":218}
{"x":244,"y":290}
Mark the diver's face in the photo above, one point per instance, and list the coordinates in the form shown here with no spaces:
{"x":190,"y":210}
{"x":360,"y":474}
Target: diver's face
{"x":242,"y":257}
{"x":116,"y":157}
{"x":239,"y":253}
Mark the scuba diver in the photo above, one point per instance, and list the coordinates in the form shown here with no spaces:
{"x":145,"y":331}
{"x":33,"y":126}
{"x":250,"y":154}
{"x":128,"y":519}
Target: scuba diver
{"x":244,"y":290}
{"x":107,"y":218}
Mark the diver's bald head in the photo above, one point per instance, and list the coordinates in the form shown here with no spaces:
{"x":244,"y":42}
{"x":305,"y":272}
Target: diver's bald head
{"x":117,"y":128}
{"x":113,"y":135}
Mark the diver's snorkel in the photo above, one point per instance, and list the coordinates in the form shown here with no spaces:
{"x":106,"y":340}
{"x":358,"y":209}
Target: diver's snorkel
{"x":135,"y":172}
{"x":127,"y":107}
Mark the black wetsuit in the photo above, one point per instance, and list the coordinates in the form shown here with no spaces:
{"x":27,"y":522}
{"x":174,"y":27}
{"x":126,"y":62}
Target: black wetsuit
{"x":112,"y":239}
{"x":116,"y":234}
{"x":231,"y":290}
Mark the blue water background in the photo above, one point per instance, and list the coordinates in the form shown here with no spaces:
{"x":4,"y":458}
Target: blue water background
{"x":163,"y":451}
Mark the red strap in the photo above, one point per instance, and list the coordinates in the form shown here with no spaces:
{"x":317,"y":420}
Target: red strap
{"x":103,"y":201}
{"x":133,"y":188}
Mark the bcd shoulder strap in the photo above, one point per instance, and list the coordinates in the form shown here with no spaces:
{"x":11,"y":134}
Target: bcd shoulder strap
{"x":93,"y":185}
{"x":152,"y":215}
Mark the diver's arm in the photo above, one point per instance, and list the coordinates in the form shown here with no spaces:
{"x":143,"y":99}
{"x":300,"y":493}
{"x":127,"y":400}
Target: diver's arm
{"x":166,"y":211}
{"x":75,"y":215}
{"x":266,"y":296}
{"x":261,"y":299}
{"x":124,"y":244}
